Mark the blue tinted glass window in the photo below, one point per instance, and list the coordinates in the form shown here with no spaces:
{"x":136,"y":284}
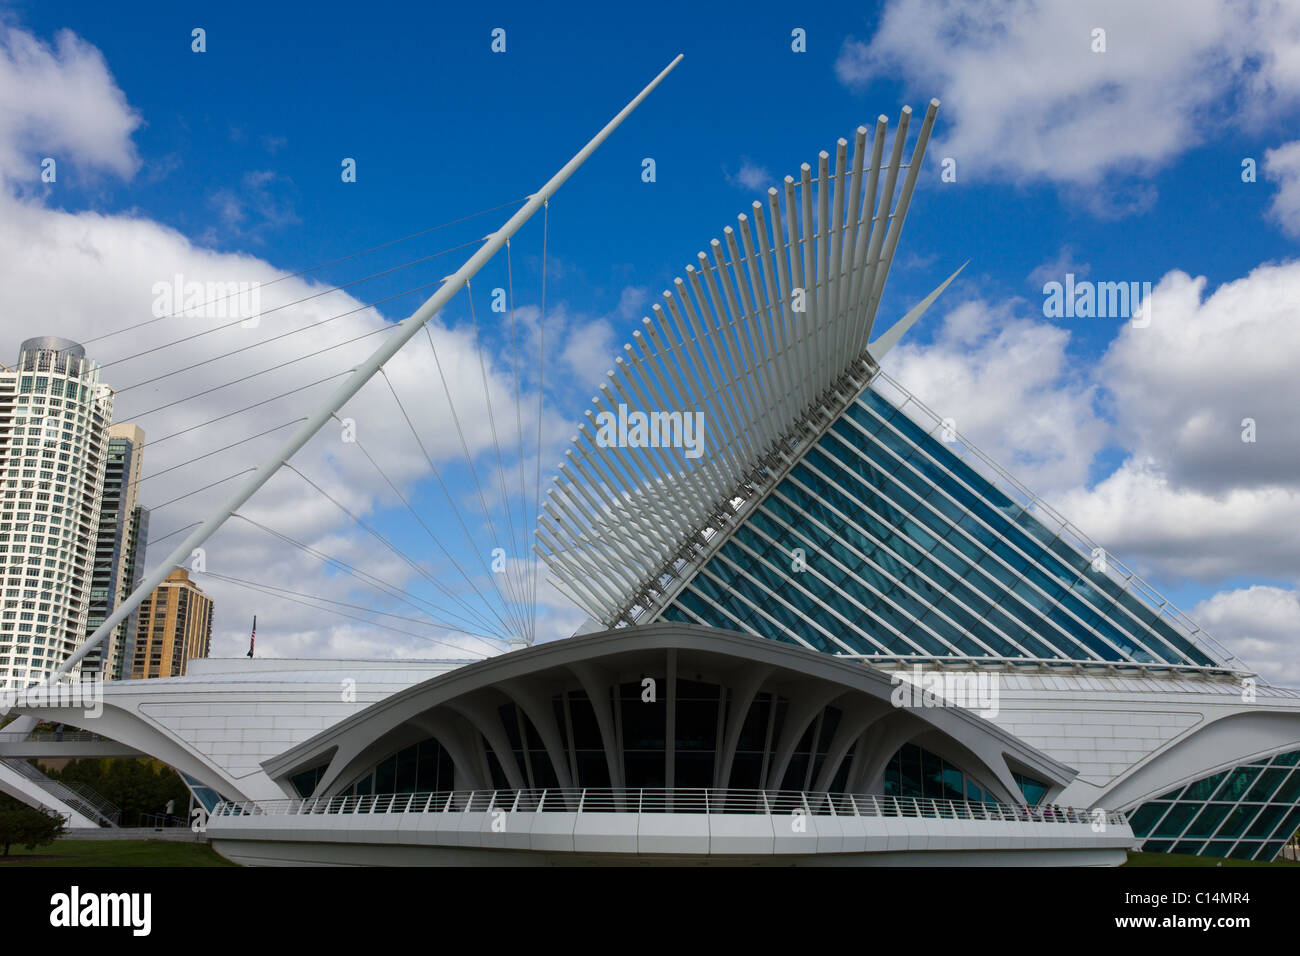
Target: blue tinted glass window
{"x":1238,"y":820}
{"x":1176,"y":820}
{"x":1144,"y":819}
{"x":1203,"y":789}
{"x":1033,"y":790}
{"x":1208,"y":820}
{"x":1289,"y":792}
{"x":1266,"y":785}
{"x":1265,"y":822}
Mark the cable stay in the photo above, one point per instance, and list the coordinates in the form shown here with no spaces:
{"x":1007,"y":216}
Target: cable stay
{"x":475,"y":547}
{"x":302,"y":272}
{"x":495,"y":609}
{"x":294,"y":597}
{"x":394,"y":591}
{"x":424,"y":525}
{"x":412,"y":563}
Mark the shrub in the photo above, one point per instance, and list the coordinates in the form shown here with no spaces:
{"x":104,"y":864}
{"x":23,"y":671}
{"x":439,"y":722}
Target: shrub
{"x":27,"y":826}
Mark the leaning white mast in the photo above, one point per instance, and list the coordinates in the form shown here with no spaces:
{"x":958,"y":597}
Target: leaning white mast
{"x":362,"y":374}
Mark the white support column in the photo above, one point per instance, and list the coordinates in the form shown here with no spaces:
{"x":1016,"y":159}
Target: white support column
{"x":868,"y":214}
{"x":900,"y":216}
{"x":836,"y":231}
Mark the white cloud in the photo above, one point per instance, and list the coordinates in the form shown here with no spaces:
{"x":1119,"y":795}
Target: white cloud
{"x":79,"y":275}
{"x":1194,"y":500}
{"x":589,"y":351}
{"x":84,"y":274}
{"x":60,"y":101}
{"x":1189,"y":500}
{"x":1008,"y":384}
{"x":632,"y":300}
{"x":590,"y":344}
{"x":1025,"y":94}
{"x":1282,"y":166}
{"x":1261,"y":625}
{"x":750,"y":176}
{"x":1182,"y":387}
{"x":1162,"y":529}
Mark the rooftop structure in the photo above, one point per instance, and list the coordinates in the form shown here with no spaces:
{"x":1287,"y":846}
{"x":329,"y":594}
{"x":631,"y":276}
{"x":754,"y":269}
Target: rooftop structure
{"x":826,"y":630}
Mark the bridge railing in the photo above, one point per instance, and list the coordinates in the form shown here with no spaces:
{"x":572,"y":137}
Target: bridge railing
{"x":88,"y":802}
{"x":669,"y":800}
{"x":43,"y":736}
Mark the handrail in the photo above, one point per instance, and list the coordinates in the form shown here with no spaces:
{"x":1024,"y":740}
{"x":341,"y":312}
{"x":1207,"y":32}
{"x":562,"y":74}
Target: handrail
{"x":1012,"y":665}
{"x":670,"y":800}
{"x":84,"y":799}
{"x":52,"y":736}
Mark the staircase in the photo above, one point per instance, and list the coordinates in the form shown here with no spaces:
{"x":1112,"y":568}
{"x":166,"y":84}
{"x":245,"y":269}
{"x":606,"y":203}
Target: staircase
{"x":86,"y":801}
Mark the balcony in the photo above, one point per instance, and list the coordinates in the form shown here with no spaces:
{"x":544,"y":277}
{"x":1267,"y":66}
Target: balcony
{"x":581,"y":825}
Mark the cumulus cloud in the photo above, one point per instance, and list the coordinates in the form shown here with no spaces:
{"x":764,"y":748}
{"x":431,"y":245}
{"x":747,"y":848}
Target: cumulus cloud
{"x":80,"y":275}
{"x":1026,"y":95}
{"x":1181,"y":498}
{"x":1260,"y":624}
{"x":1162,"y":529}
{"x":632,"y":300}
{"x":1188,"y":498}
{"x":1282,"y":166}
{"x":1208,"y":371}
{"x":1008,"y":384}
{"x":590,"y":342}
{"x":60,"y":101}
{"x":99,"y":278}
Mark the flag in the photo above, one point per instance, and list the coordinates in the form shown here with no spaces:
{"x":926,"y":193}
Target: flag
{"x":252,"y":637}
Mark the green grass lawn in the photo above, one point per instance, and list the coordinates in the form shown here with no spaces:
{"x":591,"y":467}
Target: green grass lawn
{"x":1177,"y":859}
{"x":115,"y":853}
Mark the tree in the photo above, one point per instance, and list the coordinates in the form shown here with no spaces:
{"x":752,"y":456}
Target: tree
{"x":28,"y":826}
{"x":137,"y":786}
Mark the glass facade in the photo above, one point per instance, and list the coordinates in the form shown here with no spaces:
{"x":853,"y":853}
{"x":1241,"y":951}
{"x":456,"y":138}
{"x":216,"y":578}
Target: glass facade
{"x":305,"y":783}
{"x":912,"y":772}
{"x":119,"y":553}
{"x":641,"y":726}
{"x":883,"y":542}
{"x":206,"y":796}
{"x":1248,"y":812}
{"x":1034,"y":790}
{"x":423,"y":767}
{"x":915,"y":772}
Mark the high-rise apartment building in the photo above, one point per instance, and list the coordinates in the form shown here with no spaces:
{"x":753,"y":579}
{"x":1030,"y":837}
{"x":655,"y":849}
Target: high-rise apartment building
{"x":174,"y":626}
{"x":119,"y":552}
{"x":54,"y":416}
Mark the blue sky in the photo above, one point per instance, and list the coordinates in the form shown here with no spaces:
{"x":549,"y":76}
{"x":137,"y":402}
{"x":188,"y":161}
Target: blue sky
{"x":1122,"y":165}
{"x":441,"y":126}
